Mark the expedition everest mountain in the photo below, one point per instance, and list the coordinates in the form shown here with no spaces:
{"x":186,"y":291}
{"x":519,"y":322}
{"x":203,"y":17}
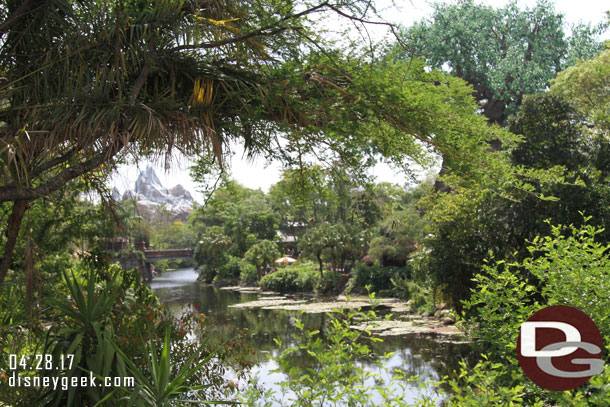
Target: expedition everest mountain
{"x":150,"y":193}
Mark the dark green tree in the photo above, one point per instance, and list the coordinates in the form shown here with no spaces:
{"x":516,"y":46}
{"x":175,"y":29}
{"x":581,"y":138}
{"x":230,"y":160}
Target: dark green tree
{"x":315,"y":242}
{"x":504,"y":53}
{"x":245,"y":216}
{"x":262,"y":256}
{"x":469,"y":225}
{"x":211,"y":251}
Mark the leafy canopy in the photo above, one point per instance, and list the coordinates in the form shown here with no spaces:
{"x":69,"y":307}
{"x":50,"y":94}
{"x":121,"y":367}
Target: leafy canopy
{"x":586,"y":85}
{"x":503,"y":52}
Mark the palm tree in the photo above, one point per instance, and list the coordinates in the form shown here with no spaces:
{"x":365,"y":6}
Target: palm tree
{"x":84,"y":82}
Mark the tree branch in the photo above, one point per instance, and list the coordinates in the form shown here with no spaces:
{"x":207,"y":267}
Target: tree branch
{"x":255,"y":33}
{"x":12,"y":232}
{"x":51,"y":163}
{"x":139,"y":83}
{"x":12,"y":193}
{"x":22,"y":10}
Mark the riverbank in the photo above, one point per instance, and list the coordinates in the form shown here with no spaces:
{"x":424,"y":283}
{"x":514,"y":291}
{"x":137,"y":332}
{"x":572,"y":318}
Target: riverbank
{"x":402,"y":322}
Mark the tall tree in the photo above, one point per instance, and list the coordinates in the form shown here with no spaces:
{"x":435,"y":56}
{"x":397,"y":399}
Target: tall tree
{"x":586,"y":86}
{"x":504,"y":52}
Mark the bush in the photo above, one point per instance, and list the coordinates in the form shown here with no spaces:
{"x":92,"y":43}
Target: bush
{"x":206,"y":274}
{"x":328,"y":283}
{"x":570,"y":267}
{"x":229,"y":272}
{"x":409,"y":290}
{"x":247,"y":274}
{"x":302,"y":277}
{"x":377,"y":277}
{"x":104,"y":323}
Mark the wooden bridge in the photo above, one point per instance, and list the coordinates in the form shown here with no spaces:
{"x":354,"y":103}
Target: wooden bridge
{"x":150,"y":256}
{"x":154,"y":255}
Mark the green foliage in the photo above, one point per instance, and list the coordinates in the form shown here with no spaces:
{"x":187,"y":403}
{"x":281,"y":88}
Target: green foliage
{"x":165,"y":387}
{"x":239,"y":212}
{"x":552,"y":133}
{"x":169,"y":233}
{"x":230,"y":271}
{"x":206,"y":274}
{"x":130,"y":253}
{"x":294,"y":278}
{"x":300,"y":278}
{"x":310,"y":193}
{"x":585,"y":85}
{"x":209,"y":174}
{"x":339,"y":244}
{"x":84,"y":332}
{"x":97,"y":315}
{"x":335,"y":369}
{"x":314,"y":242}
{"x":376,"y":277}
{"x":235,"y":221}
{"x":467,"y":223}
{"x":327,"y":283}
{"x":262,"y":255}
{"x":486,"y":385}
{"x":570,"y":267}
{"x":498,"y":306}
{"x":409,"y":290}
{"x":210,"y":252}
{"x":464,"y":226}
{"x":504,"y":53}
{"x":305,"y":194}
{"x":248,"y":274}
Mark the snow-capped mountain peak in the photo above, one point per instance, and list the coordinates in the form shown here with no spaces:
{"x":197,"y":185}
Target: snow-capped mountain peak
{"x":150,"y":192}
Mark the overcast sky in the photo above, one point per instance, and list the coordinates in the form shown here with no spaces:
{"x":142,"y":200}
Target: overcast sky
{"x":260,"y":174}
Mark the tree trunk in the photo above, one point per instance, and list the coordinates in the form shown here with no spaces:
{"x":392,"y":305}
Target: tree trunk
{"x":320,"y":261}
{"x":12,"y":232}
{"x":440,"y":186}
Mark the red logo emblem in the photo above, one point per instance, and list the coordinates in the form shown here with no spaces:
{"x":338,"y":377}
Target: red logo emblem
{"x":560,"y":348}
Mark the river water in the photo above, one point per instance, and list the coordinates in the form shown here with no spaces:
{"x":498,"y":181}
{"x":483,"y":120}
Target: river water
{"x":419,"y":355}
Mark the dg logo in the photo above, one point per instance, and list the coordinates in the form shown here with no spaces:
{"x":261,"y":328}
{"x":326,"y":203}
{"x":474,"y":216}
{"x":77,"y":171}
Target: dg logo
{"x":560,"y":348}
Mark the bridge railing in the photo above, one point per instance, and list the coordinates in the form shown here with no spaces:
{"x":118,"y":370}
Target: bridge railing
{"x":151,"y":254}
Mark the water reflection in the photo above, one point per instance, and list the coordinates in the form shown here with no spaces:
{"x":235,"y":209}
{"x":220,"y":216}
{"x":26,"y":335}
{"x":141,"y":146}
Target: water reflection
{"x":412,"y":354}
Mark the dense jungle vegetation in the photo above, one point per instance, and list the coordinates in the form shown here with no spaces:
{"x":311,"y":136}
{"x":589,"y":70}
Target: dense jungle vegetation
{"x":507,"y":111}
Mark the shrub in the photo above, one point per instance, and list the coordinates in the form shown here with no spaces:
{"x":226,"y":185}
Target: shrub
{"x":302,"y":277}
{"x":206,"y":274}
{"x":570,"y":268}
{"x":377,"y":277}
{"x":409,"y":290}
{"x":247,"y":274}
{"x":104,"y":323}
{"x":328,"y":283}
{"x":230,"y":271}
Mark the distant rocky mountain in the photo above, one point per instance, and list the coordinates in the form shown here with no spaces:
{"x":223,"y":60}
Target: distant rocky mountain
{"x":149,"y":193}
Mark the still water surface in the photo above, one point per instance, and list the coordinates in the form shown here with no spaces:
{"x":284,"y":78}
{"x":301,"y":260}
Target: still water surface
{"x":414,"y":354}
